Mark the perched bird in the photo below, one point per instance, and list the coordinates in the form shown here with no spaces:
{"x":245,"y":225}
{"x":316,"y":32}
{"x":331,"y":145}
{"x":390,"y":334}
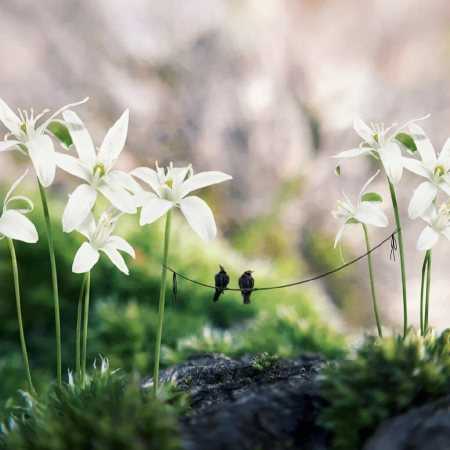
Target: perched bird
{"x":221,"y":279}
{"x":246,"y":284}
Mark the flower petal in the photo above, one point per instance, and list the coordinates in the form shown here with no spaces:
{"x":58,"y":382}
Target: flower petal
{"x":415,"y":166}
{"x":88,"y":227}
{"x":424,"y":145}
{"x":371,"y":214}
{"x":43,"y":157}
{"x":121,"y":244}
{"x":73,"y":166}
{"x":119,"y":197}
{"x":154,"y":208}
{"x":391,"y":157}
{"x":202,"y":180}
{"x":9,"y":118}
{"x":427,"y":239}
{"x":148,"y":176}
{"x":16,"y":226}
{"x":339,"y":234}
{"x":81,"y":138}
{"x":85,"y":259}
{"x":199,"y":216}
{"x":8,"y":145}
{"x":116,"y":258}
{"x":367,"y":183}
{"x":80,"y":204}
{"x":124,"y":180}
{"x":444,"y":156}
{"x":421,"y":200}
{"x":352,"y":153}
{"x":363,"y":130}
{"x":446,"y":232}
{"x":114,"y":140}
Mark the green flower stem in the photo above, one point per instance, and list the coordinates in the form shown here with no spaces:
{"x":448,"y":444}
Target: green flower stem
{"x":87,"y":289}
{"x":19,"y":313}
{"x":78,"y":329}
{"x":427,"y":295}
{"x":162,"y":298}
{"x":51,"y":250}
{"x":372,"y":284}
{"x":402,"y":256}
{"x":422,"y":292}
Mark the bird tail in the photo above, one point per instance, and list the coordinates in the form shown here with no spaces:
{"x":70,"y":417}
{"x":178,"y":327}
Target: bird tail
{"x":246,"y":296}
{"x":216,"y":295}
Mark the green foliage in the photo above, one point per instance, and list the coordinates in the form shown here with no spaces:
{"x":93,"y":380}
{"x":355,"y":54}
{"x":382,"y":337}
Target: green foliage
{"x":111,"y":412}
{"x":61,"y":132}
{"x":385,"y":378}
{"x":372,"y":197}
{"x":284,"y":333}
{"x":407,"y":140}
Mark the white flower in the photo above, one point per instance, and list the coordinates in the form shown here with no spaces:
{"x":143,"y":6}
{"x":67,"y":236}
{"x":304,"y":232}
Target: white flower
{"x":96,"y":168}
{"x":381,"y":143}
{"x":13,"y":222}
{"x":28,"y":137}
{"x":101,"y":239}
{"x":171,"y":187}
{"x":438,"y":224}
{"x":367,"y":211}
{"x":434,"y":169}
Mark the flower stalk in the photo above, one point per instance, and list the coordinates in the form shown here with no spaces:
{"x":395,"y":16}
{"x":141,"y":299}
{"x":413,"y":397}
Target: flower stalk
{"x":427,"y":294}
{"x":372,"y":283}
{"x":162,"y":298}
{"x":54,"y":275}
{"x":422,"y":293}
{"x":78,"y":329}
{"x":402,"y":256}
{"x":19,"y":314}
{"x":87,"y":289}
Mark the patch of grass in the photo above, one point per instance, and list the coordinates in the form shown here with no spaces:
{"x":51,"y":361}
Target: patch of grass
{"x":385,"y":378}
{"x":111,"y":412}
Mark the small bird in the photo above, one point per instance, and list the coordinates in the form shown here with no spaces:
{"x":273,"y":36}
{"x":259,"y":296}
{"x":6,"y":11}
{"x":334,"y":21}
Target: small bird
{"x":246,"y":284}
{"x":221,"y":280}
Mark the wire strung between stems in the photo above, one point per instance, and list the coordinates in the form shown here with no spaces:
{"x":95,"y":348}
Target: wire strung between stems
{"x":294,"y":283}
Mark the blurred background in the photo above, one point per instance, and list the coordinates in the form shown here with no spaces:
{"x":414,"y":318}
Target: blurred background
{"x":265,"y":90}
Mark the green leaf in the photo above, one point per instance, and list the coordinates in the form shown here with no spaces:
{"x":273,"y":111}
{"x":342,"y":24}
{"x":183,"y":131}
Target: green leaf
{"x":352,"y":221}
{"x":407,"y":141}
{"x":61,"y":132}
{"x":337,"y":171}
{"x":371,"y":197}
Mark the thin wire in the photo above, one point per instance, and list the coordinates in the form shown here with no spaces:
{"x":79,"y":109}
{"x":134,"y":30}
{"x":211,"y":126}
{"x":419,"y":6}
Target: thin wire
{"x":294,"y":283}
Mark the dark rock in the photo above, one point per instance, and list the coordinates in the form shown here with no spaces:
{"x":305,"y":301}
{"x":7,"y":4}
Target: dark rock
{"x":253,"y":403}
{"x":424,"y":428}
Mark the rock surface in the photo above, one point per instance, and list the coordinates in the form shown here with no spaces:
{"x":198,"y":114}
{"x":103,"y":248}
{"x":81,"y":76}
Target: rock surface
{"x":424,"y":428}
{"x":252,"y":403}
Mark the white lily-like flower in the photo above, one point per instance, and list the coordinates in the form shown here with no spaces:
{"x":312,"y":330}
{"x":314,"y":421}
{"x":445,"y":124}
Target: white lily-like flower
{"x":96,"y":169}
{"x":30,"y":138}
{"x":381,"y":143}
{"x":171,"y":187}
{"x":101,"y":239}
{"x":366,"y":211}
{"x":434,"y":169}
{"x":438,"y":224}
{"x":13,"y":222}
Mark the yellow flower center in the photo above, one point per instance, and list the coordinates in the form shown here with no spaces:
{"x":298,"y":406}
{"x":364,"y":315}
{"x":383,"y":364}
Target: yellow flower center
{"x":99,"y":170}
{"x":23,"y":127}
{"x":439,"y":171}
{"x":169,"y":183}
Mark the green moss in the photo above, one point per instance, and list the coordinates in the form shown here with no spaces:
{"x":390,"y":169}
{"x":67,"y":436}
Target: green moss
{"x":111,"y":412}
{"x":385,"y":378}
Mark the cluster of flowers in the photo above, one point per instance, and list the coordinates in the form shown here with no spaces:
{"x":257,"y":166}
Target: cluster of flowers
{"x":169,"y":188}
{"x":397,"y":148}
